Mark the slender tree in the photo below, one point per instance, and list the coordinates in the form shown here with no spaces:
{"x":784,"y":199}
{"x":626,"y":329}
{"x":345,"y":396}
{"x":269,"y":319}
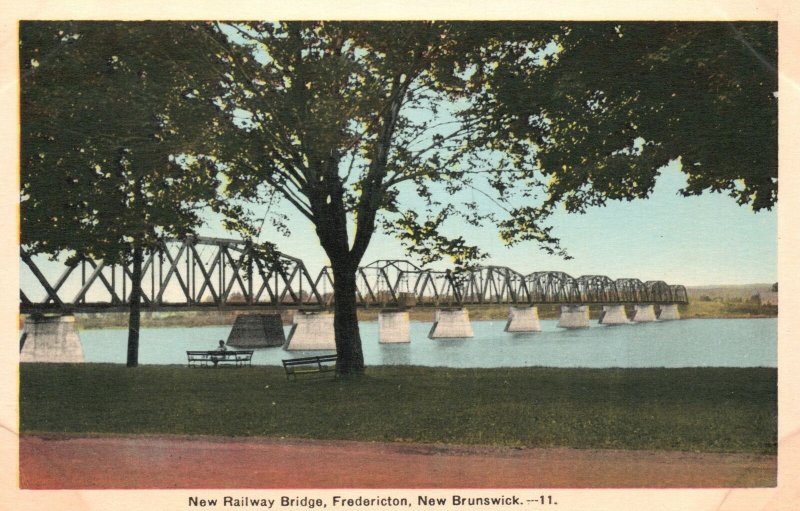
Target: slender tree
{"x":101,"y":169}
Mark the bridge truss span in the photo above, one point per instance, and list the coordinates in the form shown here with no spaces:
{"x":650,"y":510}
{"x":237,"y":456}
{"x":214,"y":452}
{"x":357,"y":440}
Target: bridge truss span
{"x":597,"y":289}
{"x":195,"y":272}
{"x":201,"y":272}
{"x":553,"y":287}
{"x":632,"y":291}
{"x":495,"y":284}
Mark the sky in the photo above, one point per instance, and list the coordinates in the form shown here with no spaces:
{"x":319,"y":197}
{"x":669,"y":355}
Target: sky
{"x":694,"y":241}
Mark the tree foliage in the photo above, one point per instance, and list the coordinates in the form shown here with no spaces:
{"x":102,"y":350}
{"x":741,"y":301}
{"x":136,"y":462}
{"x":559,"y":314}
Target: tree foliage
{"x":103,"y":171}
{"x":102,"y":138}
{"x":333,"y":117}
{"x":610,"y":103}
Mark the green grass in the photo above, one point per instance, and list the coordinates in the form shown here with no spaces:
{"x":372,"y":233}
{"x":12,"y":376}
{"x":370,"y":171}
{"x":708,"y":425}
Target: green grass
{"x":698,"y":409}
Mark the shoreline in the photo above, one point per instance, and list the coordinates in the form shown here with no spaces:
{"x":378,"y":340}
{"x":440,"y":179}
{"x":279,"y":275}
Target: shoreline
{"x":226,"y":317}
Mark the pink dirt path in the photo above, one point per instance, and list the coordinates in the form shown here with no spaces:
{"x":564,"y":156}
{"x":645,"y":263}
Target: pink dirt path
{"x":163,"y":462}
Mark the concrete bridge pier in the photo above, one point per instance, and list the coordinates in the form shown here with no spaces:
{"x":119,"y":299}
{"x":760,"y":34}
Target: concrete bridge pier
{"x":644,"y":313}
{"x":311,"y":331}
{"x":614,"y":315}
{"x":50,"y":339}
{"x":574,"y":316}
{"x":257,"y":331}
{"x":523,"y":319}
{"x":393,"y":327}
{"x":450,"y":324}
{"x":669,"y":312}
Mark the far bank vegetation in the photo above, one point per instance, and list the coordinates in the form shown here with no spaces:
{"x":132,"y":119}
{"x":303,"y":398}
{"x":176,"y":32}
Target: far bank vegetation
{"x":704,"y":302}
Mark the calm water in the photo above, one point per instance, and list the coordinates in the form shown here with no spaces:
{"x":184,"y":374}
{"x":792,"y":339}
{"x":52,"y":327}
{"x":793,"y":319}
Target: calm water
{"x":685,"y":343}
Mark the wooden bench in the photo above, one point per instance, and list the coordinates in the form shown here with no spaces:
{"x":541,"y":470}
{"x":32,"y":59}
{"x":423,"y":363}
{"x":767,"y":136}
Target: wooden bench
{"x":320,"y":364}
{"x":214,"y":358}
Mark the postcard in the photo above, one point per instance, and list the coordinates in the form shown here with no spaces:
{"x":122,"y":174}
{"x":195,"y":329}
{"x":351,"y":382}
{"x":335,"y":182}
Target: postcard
{"x":519,"y":257}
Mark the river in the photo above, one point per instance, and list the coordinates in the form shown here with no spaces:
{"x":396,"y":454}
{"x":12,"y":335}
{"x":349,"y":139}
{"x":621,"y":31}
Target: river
{"x":684,"y":343}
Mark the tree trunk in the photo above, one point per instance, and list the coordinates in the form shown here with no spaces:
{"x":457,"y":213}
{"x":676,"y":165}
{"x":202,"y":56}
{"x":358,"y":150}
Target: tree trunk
{"x":350,"y":358}
{"x":135,"y":310}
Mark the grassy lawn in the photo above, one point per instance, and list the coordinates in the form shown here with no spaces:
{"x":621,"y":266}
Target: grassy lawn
{"x":697,"y":409}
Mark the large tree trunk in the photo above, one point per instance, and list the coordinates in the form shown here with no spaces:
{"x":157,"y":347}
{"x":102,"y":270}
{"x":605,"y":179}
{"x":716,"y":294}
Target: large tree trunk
{"x":350,"y":358}
{"x":135,"y":304}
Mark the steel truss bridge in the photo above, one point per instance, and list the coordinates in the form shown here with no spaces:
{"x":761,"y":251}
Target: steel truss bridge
{"x":200,"y":272}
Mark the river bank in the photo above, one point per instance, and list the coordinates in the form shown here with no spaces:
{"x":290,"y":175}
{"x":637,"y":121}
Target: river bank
{"x":227,"y":316}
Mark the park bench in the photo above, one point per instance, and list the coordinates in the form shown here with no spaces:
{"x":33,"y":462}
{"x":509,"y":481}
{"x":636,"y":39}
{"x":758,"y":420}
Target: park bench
{"x":214,"y":358}
{"x":320,"y":364}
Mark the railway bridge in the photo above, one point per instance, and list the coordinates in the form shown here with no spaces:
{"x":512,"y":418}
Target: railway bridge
{"x":201,"y":273}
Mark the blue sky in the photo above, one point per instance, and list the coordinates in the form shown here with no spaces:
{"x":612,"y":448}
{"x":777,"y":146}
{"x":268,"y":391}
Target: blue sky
{"x":702,"y":240}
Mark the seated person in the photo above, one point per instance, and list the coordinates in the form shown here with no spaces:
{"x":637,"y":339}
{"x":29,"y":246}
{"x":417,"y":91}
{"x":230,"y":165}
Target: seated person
{"x":220,"y":348}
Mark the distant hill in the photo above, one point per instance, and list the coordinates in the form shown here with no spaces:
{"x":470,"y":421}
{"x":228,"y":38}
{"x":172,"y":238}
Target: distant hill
{"x":742,"y":292}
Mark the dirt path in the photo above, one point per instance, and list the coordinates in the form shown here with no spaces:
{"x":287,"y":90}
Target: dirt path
{"x":139,"y":462}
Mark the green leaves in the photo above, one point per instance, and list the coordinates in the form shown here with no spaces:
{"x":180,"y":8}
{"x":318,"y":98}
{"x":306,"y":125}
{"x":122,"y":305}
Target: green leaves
{"x":345,"y":120}
{"x":530,"y":116}
{"x":617,"y":101}
{"x":104,"y":124}
{"x":424,"y":238}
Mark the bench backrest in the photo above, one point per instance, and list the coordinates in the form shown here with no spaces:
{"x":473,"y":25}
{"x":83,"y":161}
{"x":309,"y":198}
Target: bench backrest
{"x":309,"y":360}
{"x":221,"y":353}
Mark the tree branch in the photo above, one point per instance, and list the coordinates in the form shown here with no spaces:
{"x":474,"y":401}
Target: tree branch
{"x":297,"y":202}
